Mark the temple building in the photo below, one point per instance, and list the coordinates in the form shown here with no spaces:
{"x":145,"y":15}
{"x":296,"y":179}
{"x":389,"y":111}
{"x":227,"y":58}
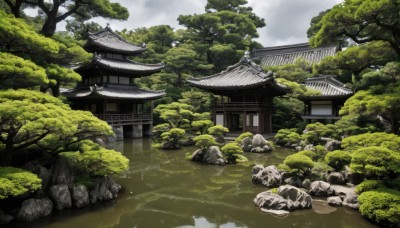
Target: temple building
{"x":108,"y":88}
{"x":324,"y":107}
{"x":244,"y":96}
{"x":288,"y":54}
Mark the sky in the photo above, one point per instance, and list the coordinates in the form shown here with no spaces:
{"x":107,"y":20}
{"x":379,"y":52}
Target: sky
{"x":287,"y":20}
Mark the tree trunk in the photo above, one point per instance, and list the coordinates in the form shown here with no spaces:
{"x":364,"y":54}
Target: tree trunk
{"x":6,"y":155}
{"x":49,"y":27}
{"x":55,"y":90}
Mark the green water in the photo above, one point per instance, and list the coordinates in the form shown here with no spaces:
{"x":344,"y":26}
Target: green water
{"x":162,"y":189}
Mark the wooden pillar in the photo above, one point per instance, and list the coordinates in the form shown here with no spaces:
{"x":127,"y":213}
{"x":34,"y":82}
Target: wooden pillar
{"x":244,"y":121}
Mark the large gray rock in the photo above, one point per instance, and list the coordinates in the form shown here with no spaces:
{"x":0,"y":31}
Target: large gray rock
{"x":309,"y":147}
{"x":257,"y":168}
{"x":306,"y":184}
{"x":321,"y":188}
{"x":294,"y":181}
{"x":80,"y":196}
{"x":5,"y":218}
{"x":333,"y":145}
{"x":297,"y":199}
{"x":268,"y":176}
{"x":336,"y":178}
{"x":214,"y":156}
{"x":287,"y":198}
{"x":62,"y":174}
{"x":103,"y":189}
{"x":335,"y":201}
{"x":351,"y":200}
{"x":246,"y":144}
{"x":61,"y":196}
{"x":169,"y":146}
{"x":353,"y":178}
{"x":260,"y":145}
{"x":32,"y":209}
{"x":269,"y":200}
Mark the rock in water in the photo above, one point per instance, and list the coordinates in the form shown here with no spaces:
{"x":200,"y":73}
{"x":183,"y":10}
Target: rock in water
{"x":213,"y":156}
{"x":61,"y":196}
{"x":351,"y":200}
{"x":246,"y":144}
{"x":297,"y":199}
{"x":335,"y":201}
{"x":32,"y":209}
{"x":268,"y":176}
{"x":321,"y":188}
{"x":271,"y":201}
{"x":260,"y":145}
{"x":80,"y":196}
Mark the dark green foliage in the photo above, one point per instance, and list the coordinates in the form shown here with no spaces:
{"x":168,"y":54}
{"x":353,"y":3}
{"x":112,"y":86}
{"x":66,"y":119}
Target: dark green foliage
{"x":288,"y":113}
{"x":309,"y":153}
{"x":287,"y":137}
{"x":375,"y":161}
{"x":369,"y":185}
{"x":338,"y":159}
{"x":15,"y":182}
{"x":299,"y":162}
{"x":321,"y":167}
{"x":390,"y":141}
{"x":381,"y":206}
{"x":205,"y":141}
{"x":218,"y":130}
{"x":159,"y":129}
{"x":173,"y":135}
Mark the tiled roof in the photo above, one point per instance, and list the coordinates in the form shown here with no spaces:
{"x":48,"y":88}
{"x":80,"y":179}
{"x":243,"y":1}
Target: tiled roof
{"x":328,"y":86}
{"x":107,"y":40}
{"x":122,"y":66}
{"x":243,"y":75}
{"x":113,"y":92}
{"x":281,"y":55}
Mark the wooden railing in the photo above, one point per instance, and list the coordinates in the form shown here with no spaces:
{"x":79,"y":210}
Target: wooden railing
{"x":125,"y":118}
{"x":242,"y":105}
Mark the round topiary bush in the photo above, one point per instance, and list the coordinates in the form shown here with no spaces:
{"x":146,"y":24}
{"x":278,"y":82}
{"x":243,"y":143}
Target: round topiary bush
{"x":338,"y":159}
{"x":232,"y":153}
{"x":205,"y":141}
{"x":299,"y":162}
{"x":15,"y":182}
{"x":382,"y":206}
{"x":369,"y":185}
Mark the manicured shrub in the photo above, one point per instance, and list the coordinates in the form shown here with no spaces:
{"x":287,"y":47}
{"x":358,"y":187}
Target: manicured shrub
{"x":299,"y":162}
{"x":390,"y":141}
{"x":375,"y":161}
{"x":382,"y":206}
{"x":15,"y":182}
{"x":320,"y":152}
{"x":173,"y":135}
{"x":321,"y":167}
{"x":218,"y":130}
{"x":158,"y":130}
{"x":369,"y":185}
{"x":97,"y":161}
{"x":338,"y":159}
{"x":205,"y":141}
{"x":309,"y":153}
{"x":287,"y":137}
{"x":201,"y":125}
{"x":232,"y":153}
{"x":242,"y":136}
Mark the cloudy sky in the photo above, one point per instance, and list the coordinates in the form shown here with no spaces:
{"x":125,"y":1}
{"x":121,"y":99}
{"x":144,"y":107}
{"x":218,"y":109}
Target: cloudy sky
{"x":287,"y":20}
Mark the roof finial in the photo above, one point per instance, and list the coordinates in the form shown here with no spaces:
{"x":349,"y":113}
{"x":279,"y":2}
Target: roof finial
{"x":108,"y":25}
{"x":247,"y":54}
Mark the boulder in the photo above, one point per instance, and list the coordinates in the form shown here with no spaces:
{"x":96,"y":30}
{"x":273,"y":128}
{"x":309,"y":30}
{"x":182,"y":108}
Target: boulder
{"x":321,"y":188}
{"x":213,"y":156}
{"x":351,"y":200}
{"x":334,"y":201}
{"x":5,"y":218}
{"x":257,"y":169}
{"x":260,"y":145}
{"x":80,"y":196}
{"x":268,"y":176}
{"x":336,"y":178}
{"x":294,"y":181}
{"x":61,"y":196}
{"x":309,"y":147}
{"x":169,"y":146}
{"x":297,"y":199}
{"x":353,"y":178}
{"x":62,"y":174}
{"x":306,"y":184}
{"x":103,"y":189}
{"x":32,"y":209}
{"x":333,"y":145}
{"x":269,"y":200}
{"x":246,"y":144}
{"x":188,"y":142}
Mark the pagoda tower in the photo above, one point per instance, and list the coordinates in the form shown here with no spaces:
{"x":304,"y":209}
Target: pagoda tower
{"x":244,"y":96}
{"x":108,"y":89}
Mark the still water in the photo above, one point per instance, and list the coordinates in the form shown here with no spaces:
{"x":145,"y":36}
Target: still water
{"x":162,"y":189}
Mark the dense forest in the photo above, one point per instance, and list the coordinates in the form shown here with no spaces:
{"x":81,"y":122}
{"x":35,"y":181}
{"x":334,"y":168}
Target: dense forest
{"x":37,"y":125}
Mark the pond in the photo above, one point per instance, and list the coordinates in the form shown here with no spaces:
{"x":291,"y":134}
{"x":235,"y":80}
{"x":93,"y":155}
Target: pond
{"x":162,"y":189}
